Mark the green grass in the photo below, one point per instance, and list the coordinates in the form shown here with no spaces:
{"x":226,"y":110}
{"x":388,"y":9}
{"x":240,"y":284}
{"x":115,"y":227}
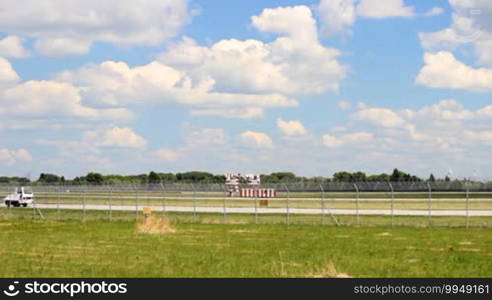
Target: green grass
{"x":220,"y":218}
{"x":99,"y":248}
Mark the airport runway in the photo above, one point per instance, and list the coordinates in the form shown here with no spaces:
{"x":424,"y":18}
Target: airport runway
{"x":219,"y":198}
{"x":263,"y":210}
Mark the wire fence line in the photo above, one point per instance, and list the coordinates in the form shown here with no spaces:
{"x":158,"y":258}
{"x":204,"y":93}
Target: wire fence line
{"x":354,"y":203}
{"x":297,"y":186}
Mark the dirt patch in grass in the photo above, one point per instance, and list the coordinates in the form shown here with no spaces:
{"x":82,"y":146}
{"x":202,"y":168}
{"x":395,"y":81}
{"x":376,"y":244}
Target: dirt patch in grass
{"x":466,"y":243}
{"x":329,"y":271}
{"x":198,"y":231}
{"x":155,"y":225}
{"x":384,"y":234}
{"x":469,"y":249}
{"x":242,"y":231}
{"x":438,"y":249}
{"x":293,"y":264}
{"x":341,"y":236}
{"x":230,"y":221}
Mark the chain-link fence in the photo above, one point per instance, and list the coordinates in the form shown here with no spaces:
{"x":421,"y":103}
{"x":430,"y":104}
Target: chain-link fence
{"x":328,"y":203}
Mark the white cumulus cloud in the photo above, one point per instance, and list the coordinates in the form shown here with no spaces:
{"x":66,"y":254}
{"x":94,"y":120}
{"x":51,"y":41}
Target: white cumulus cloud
{"x":256,"y":139}
{"x":116,"y":84}
{"x":7,"y":73}
{"x":350,"y":139}
{"x":70,"y":26}
{"x":379,"y":9}
{"x":11,"y":46}
{"x":293,"y":63}
{"x":471,"y":25}
{"x":435,"y":11}
{"x":292,"y":128}
{"x":337,"y":16}
{"x":443,"y":70}
{"x":344,"y":105}
{"x":114,"y":137}
{"x":381,"y":116}
{"x":168,"y":155}
{"x":42,"y":99}
{"x":10,"y":157}
{"x":239,"y":113}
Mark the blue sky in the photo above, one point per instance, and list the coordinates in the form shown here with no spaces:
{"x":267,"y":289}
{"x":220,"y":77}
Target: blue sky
{"x":312,"y":87}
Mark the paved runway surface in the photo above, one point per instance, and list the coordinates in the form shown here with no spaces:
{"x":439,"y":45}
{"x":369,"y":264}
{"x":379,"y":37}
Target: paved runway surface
{"x":346,"y":199}
{"x":263,"y":210}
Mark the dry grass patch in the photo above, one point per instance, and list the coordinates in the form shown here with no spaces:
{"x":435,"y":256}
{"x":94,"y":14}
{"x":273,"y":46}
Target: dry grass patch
{"x":155,"y":225}
{"x":469,"y":249}
{"x":384,"y":234}
{"x":329,"y":271}
{"x":342,"y":236}
{"x":242,"y":231}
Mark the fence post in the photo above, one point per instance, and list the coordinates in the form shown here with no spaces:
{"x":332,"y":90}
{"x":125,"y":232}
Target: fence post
{"x":83,"y":203}
{"x":392,"y":204}
{"x":34,"y":209}
{"x":110,"y":199}
{"x":256,"y":209}
{"x":322,"y":204}
{"x":430,"y":204}
{"x":467,"y":207}
{"x":10,"y":205}
{"x":163,"y":198}
{"x":288,"y":204}
{"x":224,"y":219}
{"x":136,"y":201}
{"x":58,"y":202}
{"x":194,"y":202}
{"x":357,"y":204}
{"x":124,"y":199}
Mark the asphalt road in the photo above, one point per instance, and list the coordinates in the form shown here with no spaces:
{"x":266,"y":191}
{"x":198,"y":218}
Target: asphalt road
{"x":143,"y":198}
{"x":263,"y":210}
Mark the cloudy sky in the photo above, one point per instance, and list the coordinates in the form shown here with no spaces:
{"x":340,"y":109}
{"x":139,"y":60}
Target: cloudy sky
{"x":312,"y":87}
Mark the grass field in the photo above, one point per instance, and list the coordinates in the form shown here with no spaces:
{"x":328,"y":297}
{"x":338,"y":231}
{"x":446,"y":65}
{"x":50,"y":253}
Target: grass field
{"x":99,"y":248}
{"x":237,"y":218}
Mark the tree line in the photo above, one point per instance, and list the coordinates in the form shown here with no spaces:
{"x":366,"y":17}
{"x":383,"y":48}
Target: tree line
{"x":205,"y":177}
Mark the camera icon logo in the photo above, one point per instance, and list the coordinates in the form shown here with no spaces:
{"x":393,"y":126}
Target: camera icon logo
{"x":11,"y":290}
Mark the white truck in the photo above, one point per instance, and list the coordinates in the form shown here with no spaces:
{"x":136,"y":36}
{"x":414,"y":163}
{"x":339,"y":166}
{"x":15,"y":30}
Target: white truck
{"x":21,"y":196}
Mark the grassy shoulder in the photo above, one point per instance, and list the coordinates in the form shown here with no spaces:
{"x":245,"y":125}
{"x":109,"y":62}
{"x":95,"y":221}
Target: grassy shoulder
{"x":99,"y":248}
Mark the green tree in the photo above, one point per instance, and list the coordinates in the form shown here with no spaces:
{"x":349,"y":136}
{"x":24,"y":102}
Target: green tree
{"x":379,"y":177}
{"x":195,"y":176}
{"x":343,"y":176}
{"x":49,"y":178}
{"x":285,"y":176}
{"x":154,"y":178}
{"x":168,"y":177}
{"x":94,"y":178}
{"x":269,"y":178}
{"x":359,"y":176}
{"x":398,"y":175}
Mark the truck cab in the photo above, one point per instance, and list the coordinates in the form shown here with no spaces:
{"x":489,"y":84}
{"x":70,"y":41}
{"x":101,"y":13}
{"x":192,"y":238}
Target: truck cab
{"x":21,"y":196}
